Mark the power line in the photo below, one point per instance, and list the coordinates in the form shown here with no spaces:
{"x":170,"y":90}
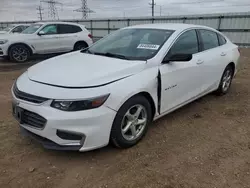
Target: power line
{"x":40,"y":13}
{"x":153,"y":7}
{"x":84,"y":9}
{"x":52,"y":13}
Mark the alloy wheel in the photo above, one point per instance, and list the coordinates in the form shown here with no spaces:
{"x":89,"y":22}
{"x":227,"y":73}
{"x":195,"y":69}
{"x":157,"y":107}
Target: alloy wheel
{"x":20,"y":54}
{"x":134,"y":122}
{"x":226,"y":80}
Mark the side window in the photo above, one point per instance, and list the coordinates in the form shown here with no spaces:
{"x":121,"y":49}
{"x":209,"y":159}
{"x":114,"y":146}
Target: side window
{"x":209,"y":39}
{"x":65,"y":29}
{"x":50,"y":30}
{"x":18,"y":29}
{"x":187,"y":43}
{"x":222,"y":40}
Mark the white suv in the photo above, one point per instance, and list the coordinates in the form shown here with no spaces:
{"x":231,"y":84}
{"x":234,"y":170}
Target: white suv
{"x":45,"y":38}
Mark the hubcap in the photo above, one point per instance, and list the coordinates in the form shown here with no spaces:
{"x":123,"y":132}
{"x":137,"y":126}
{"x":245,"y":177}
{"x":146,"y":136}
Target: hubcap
{"x":134,"y":122}
{"x":226,"y":81}
{"x":20,"y":54}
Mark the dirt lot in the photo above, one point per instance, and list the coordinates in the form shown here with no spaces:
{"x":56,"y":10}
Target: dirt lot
{"x":205,"y":144}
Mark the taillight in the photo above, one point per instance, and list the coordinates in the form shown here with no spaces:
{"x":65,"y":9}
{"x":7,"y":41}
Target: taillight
{"x":90,"y":36}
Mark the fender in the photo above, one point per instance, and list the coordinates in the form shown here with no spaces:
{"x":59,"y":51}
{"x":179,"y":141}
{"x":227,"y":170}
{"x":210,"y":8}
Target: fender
{"x":30,"y":47}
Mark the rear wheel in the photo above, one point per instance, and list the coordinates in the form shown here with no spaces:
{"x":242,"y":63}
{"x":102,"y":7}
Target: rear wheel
{"x":19,"y":53}
{"x":131,"y":122}
{"x":226,"y":81}
{"x":80,"y":46}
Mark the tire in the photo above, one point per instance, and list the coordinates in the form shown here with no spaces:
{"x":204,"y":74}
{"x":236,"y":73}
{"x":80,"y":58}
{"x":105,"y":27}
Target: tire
{"x":80,"y":46}
{"x":124,"y":139}
{"x":19,"y":53}
{"x":226,"y":81}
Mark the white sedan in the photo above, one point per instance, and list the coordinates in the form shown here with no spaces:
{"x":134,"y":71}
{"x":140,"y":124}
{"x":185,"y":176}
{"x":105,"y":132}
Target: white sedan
{"x":113,"y":90}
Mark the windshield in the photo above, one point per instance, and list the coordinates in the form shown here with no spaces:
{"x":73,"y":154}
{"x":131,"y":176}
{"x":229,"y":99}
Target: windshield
{"x":132,"y":44}
{"x":32,"y":29}
{"x":7,"y":29}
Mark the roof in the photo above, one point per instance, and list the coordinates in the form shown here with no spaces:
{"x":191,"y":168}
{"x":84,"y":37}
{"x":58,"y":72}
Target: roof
{"x":58,"y":22}
{"x":169,"y":26}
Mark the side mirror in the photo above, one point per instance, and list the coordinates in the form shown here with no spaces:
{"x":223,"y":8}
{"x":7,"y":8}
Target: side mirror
{"x":41,"y":33}
{"x":177,"y":57}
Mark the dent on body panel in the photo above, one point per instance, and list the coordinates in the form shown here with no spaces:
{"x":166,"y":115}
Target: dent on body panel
{"x":121,"y":91}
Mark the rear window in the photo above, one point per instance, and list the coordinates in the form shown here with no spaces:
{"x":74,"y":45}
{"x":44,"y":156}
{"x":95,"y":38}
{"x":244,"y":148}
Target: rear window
{"x":65,"y":29}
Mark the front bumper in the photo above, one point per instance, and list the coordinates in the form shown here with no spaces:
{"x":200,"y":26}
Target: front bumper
{"x":81,"y":131}
{"x":3,"y":50}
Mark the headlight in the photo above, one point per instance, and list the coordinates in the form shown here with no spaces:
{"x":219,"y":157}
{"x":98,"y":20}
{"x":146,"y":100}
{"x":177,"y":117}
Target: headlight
{"x":3,"y":41}
{"x":79,"y":105}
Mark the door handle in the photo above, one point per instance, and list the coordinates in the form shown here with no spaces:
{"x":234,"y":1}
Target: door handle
{"x":223,"y":54}
{"x":199,"y":62}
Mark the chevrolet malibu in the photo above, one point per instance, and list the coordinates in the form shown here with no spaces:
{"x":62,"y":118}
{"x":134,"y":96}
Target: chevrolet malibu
{"x":111,"y":91}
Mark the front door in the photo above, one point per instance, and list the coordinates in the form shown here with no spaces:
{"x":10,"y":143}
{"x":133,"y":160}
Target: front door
{"x":181,"y":81}
{"x":48,"y":41}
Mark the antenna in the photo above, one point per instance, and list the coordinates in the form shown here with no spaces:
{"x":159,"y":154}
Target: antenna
{"x":84,"y":9}
{"x":40,"y":13}
{"x":52,"y":8}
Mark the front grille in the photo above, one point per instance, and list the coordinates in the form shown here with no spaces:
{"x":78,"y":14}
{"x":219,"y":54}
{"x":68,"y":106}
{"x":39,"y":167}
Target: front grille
{"x":32,"y":119}
{"x":28,"y":97}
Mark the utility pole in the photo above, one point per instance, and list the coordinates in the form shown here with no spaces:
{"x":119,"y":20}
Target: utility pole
{"x":153,"y":7}
{"x":52,"y":8}
{"x":40,"y":13}
{"x":84,"y":9}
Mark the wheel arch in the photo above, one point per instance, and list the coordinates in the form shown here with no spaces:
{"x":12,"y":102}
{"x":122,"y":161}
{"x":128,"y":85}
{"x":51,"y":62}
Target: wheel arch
{"x":80,"y":41}
{"x":232,"y":64}
{"x":21,"y":43}
{"x":148,"y":96}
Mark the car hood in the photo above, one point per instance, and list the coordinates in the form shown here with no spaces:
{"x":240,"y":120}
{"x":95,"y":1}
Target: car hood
{"x":15,"y":36}
{"x":3,"y":32}
{"x":80,"y":70}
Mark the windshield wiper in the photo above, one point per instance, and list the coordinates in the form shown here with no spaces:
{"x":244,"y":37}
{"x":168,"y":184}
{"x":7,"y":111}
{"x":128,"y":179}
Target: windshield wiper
{"x":108,"y":54}
{"x":87,"y":51}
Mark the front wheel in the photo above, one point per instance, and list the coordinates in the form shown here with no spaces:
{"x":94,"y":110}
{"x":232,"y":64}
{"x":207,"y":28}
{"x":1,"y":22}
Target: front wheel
{"x":19,"y":53}
{"x":226,"y":81}
{"x":131,"y":122}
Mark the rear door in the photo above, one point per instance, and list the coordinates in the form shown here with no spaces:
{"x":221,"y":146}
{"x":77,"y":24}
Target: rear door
{"x":181,"y":81}
{"x":214,"y":59}
{"x":68,"y":35}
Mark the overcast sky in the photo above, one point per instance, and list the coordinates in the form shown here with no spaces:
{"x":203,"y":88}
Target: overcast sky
{"x":11,"y":10}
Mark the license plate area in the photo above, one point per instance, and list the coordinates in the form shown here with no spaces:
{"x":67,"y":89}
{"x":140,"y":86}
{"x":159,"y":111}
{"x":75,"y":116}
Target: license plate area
{"x":17,"y":112}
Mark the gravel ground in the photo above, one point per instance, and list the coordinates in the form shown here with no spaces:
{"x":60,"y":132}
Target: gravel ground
{"x":205,"y":144}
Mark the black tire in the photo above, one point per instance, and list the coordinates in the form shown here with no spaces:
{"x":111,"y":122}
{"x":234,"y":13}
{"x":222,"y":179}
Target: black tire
{"x":80,"y":46}
{"x":221,"y":89}
{"x":116,"y":137}
{"x":19,"y":53}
